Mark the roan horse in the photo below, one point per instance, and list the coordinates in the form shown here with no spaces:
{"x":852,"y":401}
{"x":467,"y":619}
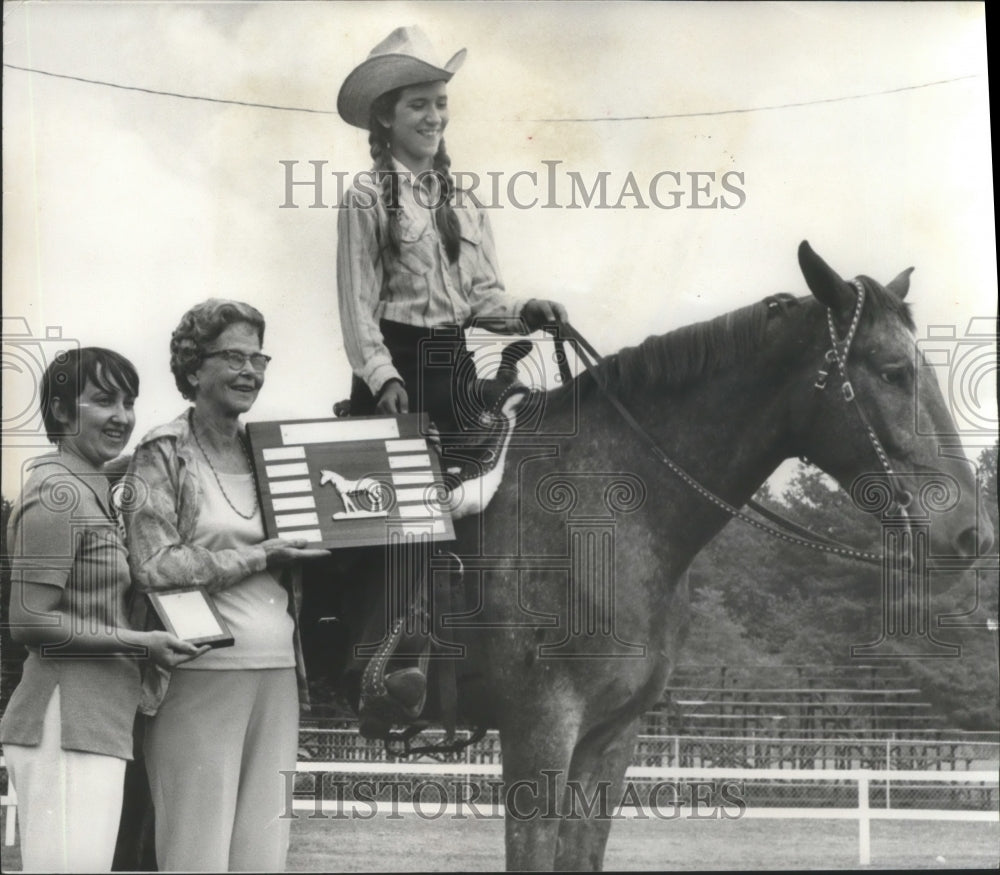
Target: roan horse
{"x":576,"y":594}
{"x":575,"y":581}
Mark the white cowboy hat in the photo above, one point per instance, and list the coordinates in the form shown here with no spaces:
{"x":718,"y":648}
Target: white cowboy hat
{"x":405,"y":57}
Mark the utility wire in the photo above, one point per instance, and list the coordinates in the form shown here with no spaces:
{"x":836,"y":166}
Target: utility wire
{"x":170,"y":93}
{"x":628,"y":118}
{"x":633,"y":118}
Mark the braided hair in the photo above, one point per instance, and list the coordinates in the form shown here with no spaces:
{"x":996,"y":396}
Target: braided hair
{"x":388,"y":181}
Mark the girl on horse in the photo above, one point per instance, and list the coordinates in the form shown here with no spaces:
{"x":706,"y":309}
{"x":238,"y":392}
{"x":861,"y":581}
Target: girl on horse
{"x":415,"y":260}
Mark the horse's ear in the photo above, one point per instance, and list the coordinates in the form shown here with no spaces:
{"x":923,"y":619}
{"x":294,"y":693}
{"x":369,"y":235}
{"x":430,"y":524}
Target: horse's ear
{"x":824,"y":282}
{"x":901,"y":284}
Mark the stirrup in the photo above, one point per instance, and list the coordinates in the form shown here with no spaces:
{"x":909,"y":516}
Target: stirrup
{"x":401,"y":704}
{"x":392,"y":698}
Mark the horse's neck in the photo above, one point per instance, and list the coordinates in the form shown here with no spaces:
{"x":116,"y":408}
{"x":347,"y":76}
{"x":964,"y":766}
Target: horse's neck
{"x":726,"y":433}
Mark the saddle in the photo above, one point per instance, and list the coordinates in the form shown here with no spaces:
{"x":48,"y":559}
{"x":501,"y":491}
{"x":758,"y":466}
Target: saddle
{"x":473,"y":460}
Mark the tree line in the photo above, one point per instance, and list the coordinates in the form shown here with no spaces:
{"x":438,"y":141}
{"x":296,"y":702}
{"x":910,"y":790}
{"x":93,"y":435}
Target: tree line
{"x":761,"y":601}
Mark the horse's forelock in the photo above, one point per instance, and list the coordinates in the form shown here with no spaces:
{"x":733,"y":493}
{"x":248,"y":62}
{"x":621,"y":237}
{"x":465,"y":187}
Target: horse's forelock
{"x":880,"y":303}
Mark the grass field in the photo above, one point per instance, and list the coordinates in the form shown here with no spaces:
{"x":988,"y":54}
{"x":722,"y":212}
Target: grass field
{"x":454,"y":845}
{"x":412,"y":844}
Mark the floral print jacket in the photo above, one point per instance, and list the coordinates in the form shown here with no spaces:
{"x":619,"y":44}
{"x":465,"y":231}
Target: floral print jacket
{"x":160,"y":498}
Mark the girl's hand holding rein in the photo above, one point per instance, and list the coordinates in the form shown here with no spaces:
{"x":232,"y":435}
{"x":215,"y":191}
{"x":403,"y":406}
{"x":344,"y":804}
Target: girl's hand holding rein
{"x":538,"y":312}
{"x":393,"y":399}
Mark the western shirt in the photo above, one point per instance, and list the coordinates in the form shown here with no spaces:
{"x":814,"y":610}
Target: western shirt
{"x":418,"y":286}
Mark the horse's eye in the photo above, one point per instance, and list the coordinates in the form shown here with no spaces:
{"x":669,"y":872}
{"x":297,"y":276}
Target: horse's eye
{"x":894,"y":376}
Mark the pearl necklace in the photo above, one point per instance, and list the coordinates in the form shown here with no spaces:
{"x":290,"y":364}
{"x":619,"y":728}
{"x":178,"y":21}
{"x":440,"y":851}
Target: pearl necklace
{"x":236,"y":510}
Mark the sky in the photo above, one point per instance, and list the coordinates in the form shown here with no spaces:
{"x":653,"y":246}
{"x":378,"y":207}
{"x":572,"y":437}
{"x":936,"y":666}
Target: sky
{"x":862,"y":127}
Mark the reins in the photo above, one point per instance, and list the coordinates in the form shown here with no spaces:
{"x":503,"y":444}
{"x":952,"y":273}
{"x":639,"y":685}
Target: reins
{"x":781,"y":527}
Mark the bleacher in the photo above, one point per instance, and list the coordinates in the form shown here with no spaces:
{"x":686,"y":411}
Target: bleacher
{"x":863,"y":700}
{"x":858,"y":716}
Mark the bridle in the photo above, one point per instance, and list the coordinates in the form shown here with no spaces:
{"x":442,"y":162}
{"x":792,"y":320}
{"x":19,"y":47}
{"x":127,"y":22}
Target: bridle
{"x":780,"y":527}
{"x":837,"y":354}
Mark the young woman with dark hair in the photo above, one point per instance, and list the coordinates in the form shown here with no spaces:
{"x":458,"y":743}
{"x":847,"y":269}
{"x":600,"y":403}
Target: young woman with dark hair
{"x":67,"y":731}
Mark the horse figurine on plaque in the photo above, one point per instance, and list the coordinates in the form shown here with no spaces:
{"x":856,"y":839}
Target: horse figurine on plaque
{"x":349,"y":490}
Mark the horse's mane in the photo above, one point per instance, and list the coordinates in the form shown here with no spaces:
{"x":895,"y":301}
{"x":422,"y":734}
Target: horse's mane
{"x":687,"y":353}
{"x":682,"y":356}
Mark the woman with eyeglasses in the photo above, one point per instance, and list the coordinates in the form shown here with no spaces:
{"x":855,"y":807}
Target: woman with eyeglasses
{"x":219,"y":737}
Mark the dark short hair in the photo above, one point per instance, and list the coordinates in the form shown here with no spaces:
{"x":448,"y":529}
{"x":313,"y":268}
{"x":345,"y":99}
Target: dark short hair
{"x":202,"y":324}
{"x":66,"y":378}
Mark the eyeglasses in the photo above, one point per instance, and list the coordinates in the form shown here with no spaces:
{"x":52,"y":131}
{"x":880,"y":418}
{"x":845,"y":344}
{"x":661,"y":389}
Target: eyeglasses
{"x":237,"y":360}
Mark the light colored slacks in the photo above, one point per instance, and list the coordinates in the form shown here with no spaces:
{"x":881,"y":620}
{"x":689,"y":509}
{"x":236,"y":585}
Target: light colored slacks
{"x":69,"y":802}
{"x":215,"y":753}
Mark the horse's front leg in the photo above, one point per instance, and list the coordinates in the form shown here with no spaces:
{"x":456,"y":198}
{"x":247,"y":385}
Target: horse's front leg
{"x":593,"y":796}
{"x":536,"y":760}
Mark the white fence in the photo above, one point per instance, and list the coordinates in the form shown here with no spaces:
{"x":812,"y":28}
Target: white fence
{"x":863,"y":779}
{"x":863,"y":812}
{"x":940,"y":750}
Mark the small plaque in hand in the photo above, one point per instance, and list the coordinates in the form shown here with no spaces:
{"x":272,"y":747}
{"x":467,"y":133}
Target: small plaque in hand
{"x":191,"y":615}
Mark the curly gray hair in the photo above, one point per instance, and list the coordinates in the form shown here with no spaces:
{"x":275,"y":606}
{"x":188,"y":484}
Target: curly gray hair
{"x":202,"y":324}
